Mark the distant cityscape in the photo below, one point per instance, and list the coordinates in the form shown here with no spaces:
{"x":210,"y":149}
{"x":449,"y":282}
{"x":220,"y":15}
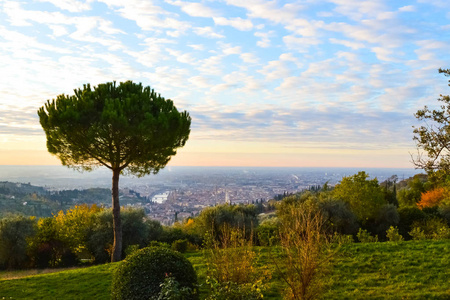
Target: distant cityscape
{"x":177,"y":193}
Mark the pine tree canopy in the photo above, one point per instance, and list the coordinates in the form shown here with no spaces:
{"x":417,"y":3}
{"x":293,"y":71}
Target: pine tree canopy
{"x":126,"y":126}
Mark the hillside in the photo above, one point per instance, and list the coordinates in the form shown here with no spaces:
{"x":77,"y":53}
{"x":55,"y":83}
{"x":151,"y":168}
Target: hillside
{"x":406,"y":270}
{"x":31,"y":200}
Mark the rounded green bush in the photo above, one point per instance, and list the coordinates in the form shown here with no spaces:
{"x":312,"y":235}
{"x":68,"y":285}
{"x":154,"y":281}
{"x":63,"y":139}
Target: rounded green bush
{"x":141,"y":274}
{"x":180,"y":245}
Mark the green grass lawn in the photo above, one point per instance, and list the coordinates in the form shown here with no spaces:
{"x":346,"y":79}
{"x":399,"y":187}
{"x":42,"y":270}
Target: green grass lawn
{"x":405,"y":270}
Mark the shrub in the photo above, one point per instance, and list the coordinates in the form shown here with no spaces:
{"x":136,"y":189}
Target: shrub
{"x":442,"y":233}
{"x":433,"y":228}
{"x":417,"y":234}
{"x":231,"y":266}
{"x":171,"y":234}
{"x":393,"y":235}
{"x":131,"y":249}
{"x":74,"y":225}
{"x":14,"y":233}
{"x":234,"y":291}
{"x":444,"y":211}
{"x":141,"y":274}
{"x":339,"y":217}
{"x":407,"y":217}
{"x":154,"y":230}
{"x":305,"y":251}
{"x":365,"y":237}
{"x":387,"y":217}
{"x":159,"y":244}
{"x":100,"y":237}
{"x":431,"y":198}
{"x":268,"y":232}
{"x":213,"y":219}
{"x":46,"y":248}
{"x":180,"y":245}
{"x":68,"y":259}
{"x":171,"y":290}
{"x":341,"y":239}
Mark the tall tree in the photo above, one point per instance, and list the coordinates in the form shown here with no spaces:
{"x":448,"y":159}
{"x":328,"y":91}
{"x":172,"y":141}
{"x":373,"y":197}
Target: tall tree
{"x":127,"y":128}
{"x":434,"y":137}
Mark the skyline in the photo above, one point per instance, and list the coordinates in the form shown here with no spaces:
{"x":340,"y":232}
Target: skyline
{"x":326,"y":83}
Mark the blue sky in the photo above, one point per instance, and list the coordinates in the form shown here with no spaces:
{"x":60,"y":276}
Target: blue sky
{"x":267,"y":83}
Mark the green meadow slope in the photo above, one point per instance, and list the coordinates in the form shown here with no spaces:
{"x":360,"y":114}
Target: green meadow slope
{"x":405,"y":270}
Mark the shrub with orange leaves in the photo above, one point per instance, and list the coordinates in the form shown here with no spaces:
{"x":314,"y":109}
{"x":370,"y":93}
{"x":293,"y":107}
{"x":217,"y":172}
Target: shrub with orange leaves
{"x":432,"y":198}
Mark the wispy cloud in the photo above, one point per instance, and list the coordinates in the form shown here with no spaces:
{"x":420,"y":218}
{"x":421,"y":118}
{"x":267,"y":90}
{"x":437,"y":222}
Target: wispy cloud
{"x":336,"y":74}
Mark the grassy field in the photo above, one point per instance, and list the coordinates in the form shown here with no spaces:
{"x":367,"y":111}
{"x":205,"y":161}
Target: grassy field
{"x":405,"y":270}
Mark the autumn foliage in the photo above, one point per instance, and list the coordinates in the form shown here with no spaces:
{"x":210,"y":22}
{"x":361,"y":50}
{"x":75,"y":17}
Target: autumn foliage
{"x":431,"y":198}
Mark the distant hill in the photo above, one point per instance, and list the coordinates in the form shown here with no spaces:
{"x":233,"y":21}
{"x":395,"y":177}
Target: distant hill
{"x":31,"y":200}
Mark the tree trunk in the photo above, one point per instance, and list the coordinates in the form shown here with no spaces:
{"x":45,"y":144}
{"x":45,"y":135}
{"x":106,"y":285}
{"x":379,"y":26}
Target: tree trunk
{"x":116,"y":254}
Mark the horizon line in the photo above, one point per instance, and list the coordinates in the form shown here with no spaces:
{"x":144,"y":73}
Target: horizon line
{"x":234,"y":166}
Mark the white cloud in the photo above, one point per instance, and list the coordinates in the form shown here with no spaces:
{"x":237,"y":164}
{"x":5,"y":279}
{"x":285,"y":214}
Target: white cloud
{"x":383,"y":54}
{"x":265,"y":38}
{"x":197,"y":47}
{"x":228,"y":49}
{"x":300,"y":44}
{"x":346,"y":43}
{"x":207,"y":32}
{"x":185,"y":58}
{"x":249,"y":58}
{"x":268,"y":10}
{"x":290,"y":57}
{"x":200,"y":81}
{"x":212,"y":65}
{"x":153,"y":52}
{"x":276,"y":70}
{"x":147,"y":16}
{"x":358,"y":10}
{"x":407,"y":8}
{"x":58,"y":30}
{"x":194,"y":9}
{"x":238,"y":23}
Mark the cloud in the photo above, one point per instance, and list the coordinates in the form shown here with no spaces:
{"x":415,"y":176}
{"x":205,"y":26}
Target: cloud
{"x":338,"y":73}
{"x":200,"y":81}
{"x":147,"y":16}
{"x":304,"y":128}
{"x":228,"y":49}
{"x":238,"y":23}
{"x":358,"y":10}
{"x":300,"y":44}
{"x":407,"y":8}
{"x":152,"y":53}
{"x":208,"y":32}
{"x":194,"y":9}
{"x":20,"y":122}
{"x":268,"y":10}
{"x":276,"y":70}
{"x":249,"y":58}
{"x":265,"y":38}
{"x":346,"y":43}
{"x":197,"y":47}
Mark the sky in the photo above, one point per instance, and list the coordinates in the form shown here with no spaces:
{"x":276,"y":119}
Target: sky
{"x":312,"y":83}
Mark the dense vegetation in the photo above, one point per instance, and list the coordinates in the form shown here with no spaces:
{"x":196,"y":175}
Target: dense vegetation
{"x":303,"y":246}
